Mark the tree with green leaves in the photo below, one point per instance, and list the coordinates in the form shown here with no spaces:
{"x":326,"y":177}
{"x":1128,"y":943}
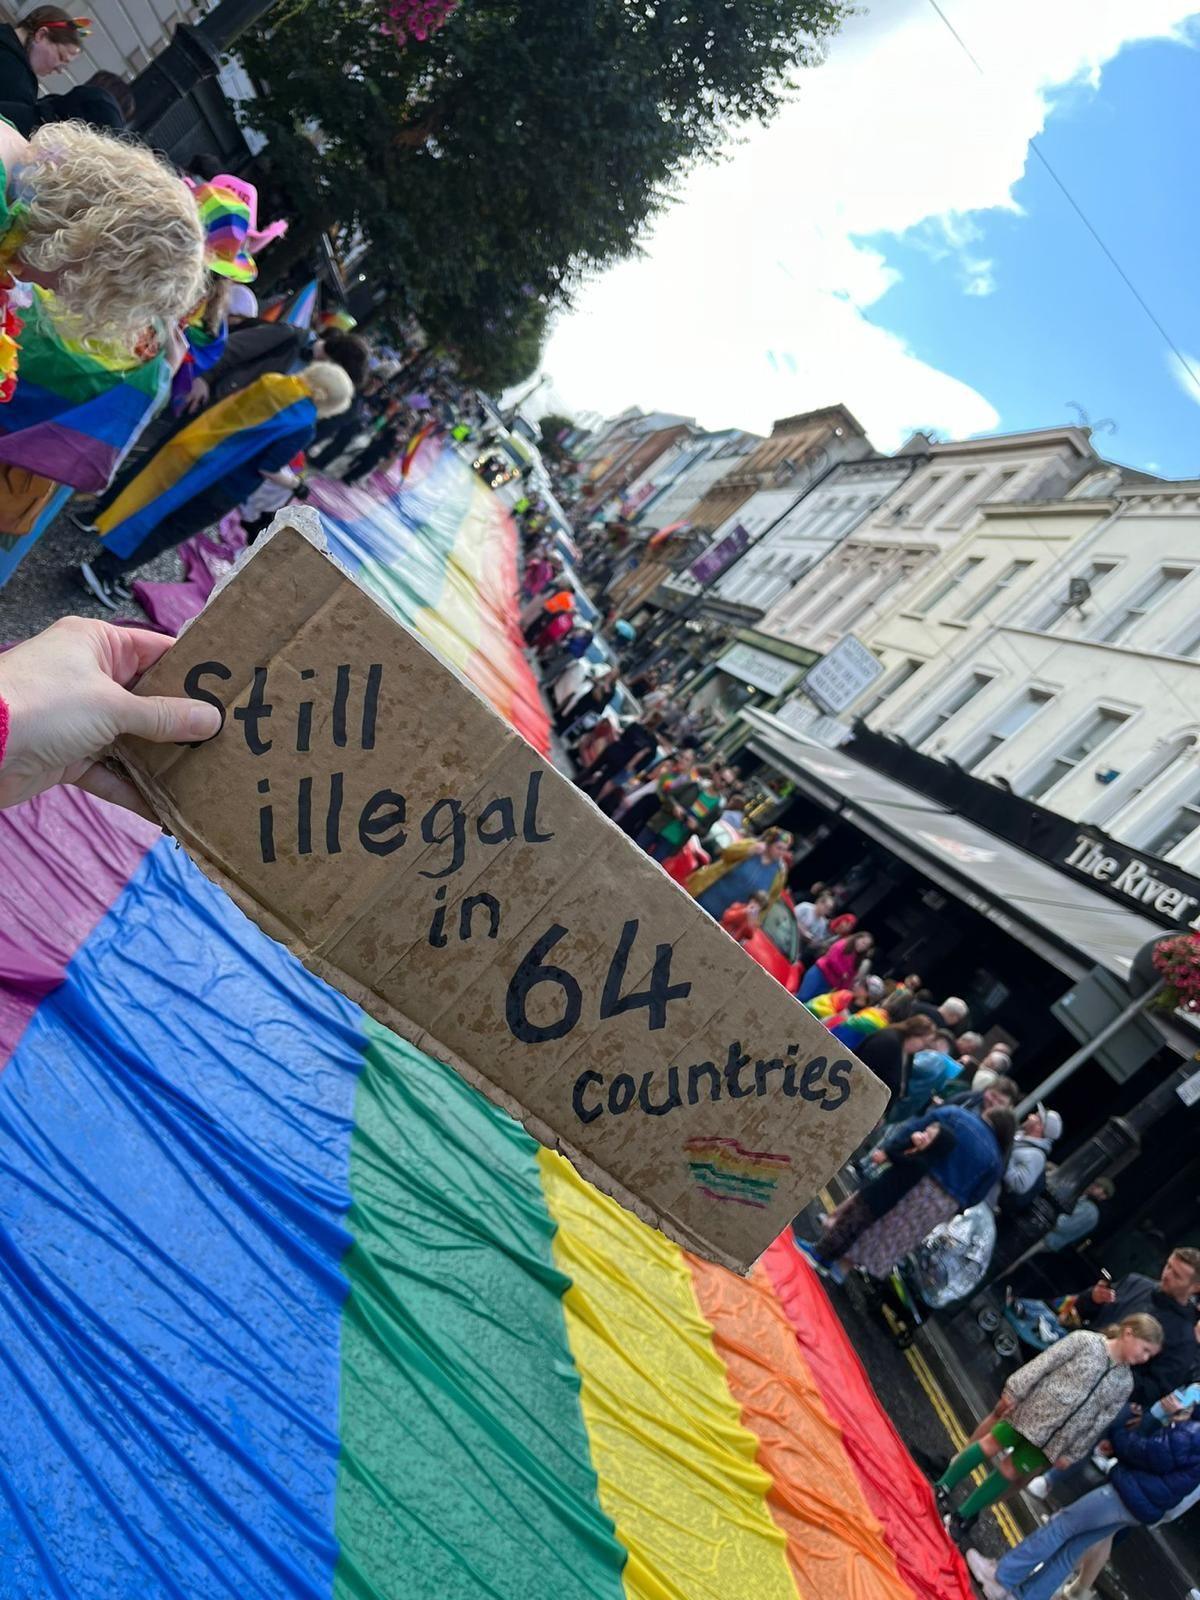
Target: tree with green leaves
{"x":521,"y":147}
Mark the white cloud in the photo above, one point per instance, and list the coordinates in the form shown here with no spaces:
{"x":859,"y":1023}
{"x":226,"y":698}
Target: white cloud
{"x":753,"y":299}
{"x":1186,"y":374}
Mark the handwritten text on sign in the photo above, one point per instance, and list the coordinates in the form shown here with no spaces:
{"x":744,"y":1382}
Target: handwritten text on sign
{"x":373,"y":813}
{"x":380,"y":826}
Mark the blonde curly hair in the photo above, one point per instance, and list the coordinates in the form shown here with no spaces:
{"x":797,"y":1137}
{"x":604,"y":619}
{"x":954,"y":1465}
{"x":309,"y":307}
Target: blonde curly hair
{"x":330,"y":388}
{"x":113,"y":227}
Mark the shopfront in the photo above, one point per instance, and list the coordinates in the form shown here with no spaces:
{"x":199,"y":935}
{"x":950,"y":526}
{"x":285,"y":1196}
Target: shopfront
{"x":1013,"y":934}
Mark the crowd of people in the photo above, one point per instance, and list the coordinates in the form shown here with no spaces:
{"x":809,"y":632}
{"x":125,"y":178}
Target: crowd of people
{"x":1128,"y":1357}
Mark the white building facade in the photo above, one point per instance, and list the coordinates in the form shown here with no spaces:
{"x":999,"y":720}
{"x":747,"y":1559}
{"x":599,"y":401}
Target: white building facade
{"x":1079,"y":686}
{"x":796,"y":533}
{"x":873,"y":571}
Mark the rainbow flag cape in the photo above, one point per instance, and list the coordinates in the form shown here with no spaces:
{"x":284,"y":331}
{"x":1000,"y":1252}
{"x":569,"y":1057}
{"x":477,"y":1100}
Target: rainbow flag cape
{"x":76,"y":411}
{"x":829,"y":1004}
{"x":291,"y":1311}
{"x":852,"y":1026}
{"x":204,"y":349}
{"x":220,"y":440}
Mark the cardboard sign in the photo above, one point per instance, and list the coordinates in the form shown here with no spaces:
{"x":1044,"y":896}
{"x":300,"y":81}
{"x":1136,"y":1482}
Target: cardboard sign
{"x":367,"y":808}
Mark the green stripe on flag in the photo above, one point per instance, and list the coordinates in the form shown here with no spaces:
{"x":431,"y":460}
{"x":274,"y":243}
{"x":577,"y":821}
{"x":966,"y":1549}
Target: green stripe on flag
{"x":465,"y":1472}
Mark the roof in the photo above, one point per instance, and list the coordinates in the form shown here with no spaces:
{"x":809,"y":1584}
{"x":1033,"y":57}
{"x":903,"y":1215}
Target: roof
{"x":1068,"y":924}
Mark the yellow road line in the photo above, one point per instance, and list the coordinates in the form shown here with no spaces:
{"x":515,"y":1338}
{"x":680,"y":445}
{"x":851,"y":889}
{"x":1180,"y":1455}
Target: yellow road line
{"x":954,"y":1430}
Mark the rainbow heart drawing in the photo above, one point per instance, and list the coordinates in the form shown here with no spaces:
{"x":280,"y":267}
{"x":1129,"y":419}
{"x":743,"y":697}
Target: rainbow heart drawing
{"x":725,"y":1170}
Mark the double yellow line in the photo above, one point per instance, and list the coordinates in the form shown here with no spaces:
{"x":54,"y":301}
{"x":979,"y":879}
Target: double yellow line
{"x":942,"y":1410}
{"x":958,"y":1438}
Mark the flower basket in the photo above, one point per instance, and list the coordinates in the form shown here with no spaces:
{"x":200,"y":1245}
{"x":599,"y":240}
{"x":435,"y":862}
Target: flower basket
{"x":1177,"y":962}
{"x":415,"y":19}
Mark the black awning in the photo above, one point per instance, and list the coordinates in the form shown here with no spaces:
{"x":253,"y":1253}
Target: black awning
{"x":1059,"y":917}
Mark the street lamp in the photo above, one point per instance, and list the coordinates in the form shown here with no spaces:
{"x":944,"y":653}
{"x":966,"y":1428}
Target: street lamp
{"x":193,"y":54}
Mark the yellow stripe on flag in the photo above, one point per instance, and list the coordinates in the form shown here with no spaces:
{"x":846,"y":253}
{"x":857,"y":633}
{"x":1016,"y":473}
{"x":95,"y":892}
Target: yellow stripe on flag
{"x":676,"y":1468}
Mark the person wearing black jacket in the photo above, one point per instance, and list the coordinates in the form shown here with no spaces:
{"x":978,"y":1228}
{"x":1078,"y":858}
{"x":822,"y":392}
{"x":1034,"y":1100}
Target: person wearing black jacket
{"x":1170,"y":1299}
{"x":260,"y":347}
{"x":889,"y":1051}
{"x":39,"y":45}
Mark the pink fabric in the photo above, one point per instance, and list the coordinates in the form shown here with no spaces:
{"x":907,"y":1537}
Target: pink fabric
{"x":839,"y":964}
{"x":66,"y":859}
{"x":206,"y":559}
{"x":3,"y":727}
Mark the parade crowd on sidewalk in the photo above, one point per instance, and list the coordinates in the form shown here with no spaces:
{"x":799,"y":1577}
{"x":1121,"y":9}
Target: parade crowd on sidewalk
{"x":1115,"y":1387}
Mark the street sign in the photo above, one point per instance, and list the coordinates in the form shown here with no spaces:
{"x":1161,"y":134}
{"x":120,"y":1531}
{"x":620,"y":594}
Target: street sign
{"x":759,"y":668}
{"x":713,"y":562}
{"x":842,"y":674}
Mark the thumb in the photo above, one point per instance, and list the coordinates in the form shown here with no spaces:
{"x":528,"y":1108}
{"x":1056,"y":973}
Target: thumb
{"x":164,"y":720}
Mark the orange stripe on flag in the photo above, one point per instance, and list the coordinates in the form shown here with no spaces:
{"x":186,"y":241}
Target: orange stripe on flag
{"x":892,"y":1484}
{"x":835,"y":1545}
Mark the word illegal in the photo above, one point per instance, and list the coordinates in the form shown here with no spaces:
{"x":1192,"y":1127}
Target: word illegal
{"x":380,"y":827}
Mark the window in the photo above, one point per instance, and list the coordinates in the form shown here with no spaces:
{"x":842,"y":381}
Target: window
{"x":1153,"y":774}
{"x":1179,"y":824}
{"x":953,"y":487}
{"x":1101,"y":723}
{"x":908,"y":510}
{"x":1127,"y":615}
{"x":1010,"y":575}
{"x":962,"y":694}
{"x":1050,"y":616}
{"x":948,"y":585}
{"x":1020,"y":711}
{"x":887,"y":686}
{"x":1189,"y":645}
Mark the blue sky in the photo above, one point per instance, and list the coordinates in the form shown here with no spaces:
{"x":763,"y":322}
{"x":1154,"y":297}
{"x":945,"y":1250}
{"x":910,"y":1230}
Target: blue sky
{"x":1059,"y":325}
{"x":890,"y":243}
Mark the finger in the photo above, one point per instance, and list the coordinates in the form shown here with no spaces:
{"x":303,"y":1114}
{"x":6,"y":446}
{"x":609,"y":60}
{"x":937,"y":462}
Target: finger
{"x":164,"y":720}
{"x":105,"y":784}
{"x":136,"y":651}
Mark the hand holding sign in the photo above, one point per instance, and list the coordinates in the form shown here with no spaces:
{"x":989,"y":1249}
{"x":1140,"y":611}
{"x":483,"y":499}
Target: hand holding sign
{"x":369,"y":810}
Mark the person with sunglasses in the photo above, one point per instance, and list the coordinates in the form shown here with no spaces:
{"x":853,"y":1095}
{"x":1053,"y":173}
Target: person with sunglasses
{"x":41,"y":44}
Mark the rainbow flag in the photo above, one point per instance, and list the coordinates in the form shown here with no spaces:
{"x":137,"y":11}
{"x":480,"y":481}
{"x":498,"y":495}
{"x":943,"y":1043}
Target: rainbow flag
{"x":290,"y":1310}
{"x":76,"y":411}
{"x":221,"y":441}
{"x":439,"y":549}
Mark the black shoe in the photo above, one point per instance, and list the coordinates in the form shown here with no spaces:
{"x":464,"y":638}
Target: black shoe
{"x":110,"y":592}
{"x":959,"y":1528}
{"x":83,"y":521}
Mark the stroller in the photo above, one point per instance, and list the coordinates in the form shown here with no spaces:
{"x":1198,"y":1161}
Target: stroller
{"x":944,"y":1272}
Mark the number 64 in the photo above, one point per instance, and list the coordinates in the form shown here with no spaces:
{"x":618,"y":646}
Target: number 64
{"x":535,"y":970}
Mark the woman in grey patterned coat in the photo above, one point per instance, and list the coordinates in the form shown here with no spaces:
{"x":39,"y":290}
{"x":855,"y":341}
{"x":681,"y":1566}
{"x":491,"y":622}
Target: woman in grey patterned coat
{"x":1052,"y":1411}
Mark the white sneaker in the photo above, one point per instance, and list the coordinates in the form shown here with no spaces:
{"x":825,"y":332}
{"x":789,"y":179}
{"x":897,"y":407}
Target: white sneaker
{"x":983,"y":1570}
{"x":1038,"y":1488}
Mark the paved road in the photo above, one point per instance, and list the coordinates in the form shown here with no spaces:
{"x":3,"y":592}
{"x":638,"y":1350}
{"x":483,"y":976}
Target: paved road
{"x":45,"y":586}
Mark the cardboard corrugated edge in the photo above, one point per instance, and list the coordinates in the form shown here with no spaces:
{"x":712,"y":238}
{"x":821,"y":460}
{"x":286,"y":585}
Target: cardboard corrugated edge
{"x":307,"y":523}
